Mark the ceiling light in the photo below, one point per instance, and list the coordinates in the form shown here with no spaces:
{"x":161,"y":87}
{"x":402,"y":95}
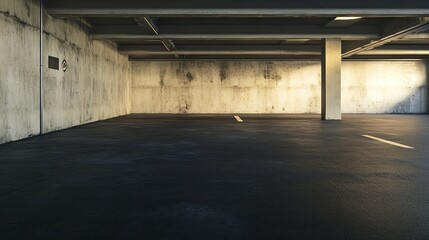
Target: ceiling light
{"x":346,"y":18}
{"x":296,"y":41}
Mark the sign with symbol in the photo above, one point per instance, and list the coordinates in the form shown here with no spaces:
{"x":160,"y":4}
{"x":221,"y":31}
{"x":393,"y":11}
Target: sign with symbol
{"x":64,"y":65}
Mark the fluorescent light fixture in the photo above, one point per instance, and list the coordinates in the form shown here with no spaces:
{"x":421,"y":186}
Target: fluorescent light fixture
{"x":295,"y":41}
{"x":346,"y":18}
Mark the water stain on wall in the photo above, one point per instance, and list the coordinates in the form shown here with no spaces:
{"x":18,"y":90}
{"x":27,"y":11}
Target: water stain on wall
{"x":270,"y":73}
{"x":223,"y":71}
{"x":162,"y":77}
{"x":184,"y":107}
{"x":17,"y":19}
{"x":189,"y":77}
{"x":180,"y":69}
{"x":183,"y":74}
{"x":28,"y":9}
{"x":244,"y":87}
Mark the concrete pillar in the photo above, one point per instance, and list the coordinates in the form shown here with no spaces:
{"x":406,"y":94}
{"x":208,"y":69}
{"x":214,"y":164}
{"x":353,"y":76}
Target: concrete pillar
{"x":331,"y":79}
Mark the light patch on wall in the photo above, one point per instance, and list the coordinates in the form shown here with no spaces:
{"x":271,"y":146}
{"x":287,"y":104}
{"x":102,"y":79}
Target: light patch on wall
{"x":368,"y":87}
{"x":384,"y":87}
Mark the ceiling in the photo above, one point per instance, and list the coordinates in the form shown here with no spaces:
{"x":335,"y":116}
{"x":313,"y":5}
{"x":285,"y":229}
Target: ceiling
{"x":270,"y":29}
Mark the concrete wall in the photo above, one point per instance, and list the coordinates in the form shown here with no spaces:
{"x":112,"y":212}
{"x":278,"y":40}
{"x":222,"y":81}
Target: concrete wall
{"x":275,"y":87}
{"x":100,"y":83}
{"x":96,"y":85}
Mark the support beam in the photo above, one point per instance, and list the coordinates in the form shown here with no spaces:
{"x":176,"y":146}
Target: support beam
{"x":169,"y":45}
{"x":234,"y":32}
{"x":398,"y":50}
{"x":295,"y":50}
{"x":331,"y":79}
{"x":315,"y":12}
{"x":283,"y":36}
{"x":147,"y":24}
{"x":421,"y":35}
{"x":272,"y":50}
{"x":250,"y":8}
{"x":394,"y":30}
{"x":41,"y":116}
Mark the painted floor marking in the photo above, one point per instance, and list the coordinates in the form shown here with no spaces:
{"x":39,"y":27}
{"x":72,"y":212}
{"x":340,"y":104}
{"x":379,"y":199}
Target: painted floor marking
{"x":388,"y":142}
{"x":238,"y":119}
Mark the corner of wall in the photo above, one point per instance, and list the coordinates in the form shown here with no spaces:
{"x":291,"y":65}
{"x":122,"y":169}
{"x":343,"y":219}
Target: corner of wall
{"x":95,"y":87}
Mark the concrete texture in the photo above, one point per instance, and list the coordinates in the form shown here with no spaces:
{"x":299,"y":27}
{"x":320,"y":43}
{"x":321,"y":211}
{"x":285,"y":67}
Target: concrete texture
{"x":19,"y":71}
{"x":385,"y":87}
{"x":209,"y":177}
{"x":331,"y":79}
{"x":96,"y":85}
{"x":276,"y":87}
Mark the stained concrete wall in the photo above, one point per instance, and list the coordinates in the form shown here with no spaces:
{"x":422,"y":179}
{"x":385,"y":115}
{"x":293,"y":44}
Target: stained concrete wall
{"x":96,"y":85}
{"x":275,"y":87}
{"x":385,"y":87}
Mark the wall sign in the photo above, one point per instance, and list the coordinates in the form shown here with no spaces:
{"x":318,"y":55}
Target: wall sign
{"x":64,"y":65}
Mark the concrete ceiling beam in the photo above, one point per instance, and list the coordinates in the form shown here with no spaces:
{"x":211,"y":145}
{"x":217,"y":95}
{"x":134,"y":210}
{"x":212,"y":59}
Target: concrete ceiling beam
{"x":238,"y":8}
{"x":394,"y":30}
{"x":148,"y":23}
{"x":235,"y":32}
{"x":169,"y":45}
{"x":132,"y":13}
{"x":291,"y":50}
{"x":221,"y":50}
{"x":399,"y":50}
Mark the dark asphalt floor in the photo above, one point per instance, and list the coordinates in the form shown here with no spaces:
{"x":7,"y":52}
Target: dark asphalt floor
{"x":209,"y":177}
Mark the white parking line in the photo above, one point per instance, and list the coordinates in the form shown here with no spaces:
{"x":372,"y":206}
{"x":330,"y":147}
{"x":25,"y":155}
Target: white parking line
{"x":388,"y":142}
{"x":238,"y":119}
